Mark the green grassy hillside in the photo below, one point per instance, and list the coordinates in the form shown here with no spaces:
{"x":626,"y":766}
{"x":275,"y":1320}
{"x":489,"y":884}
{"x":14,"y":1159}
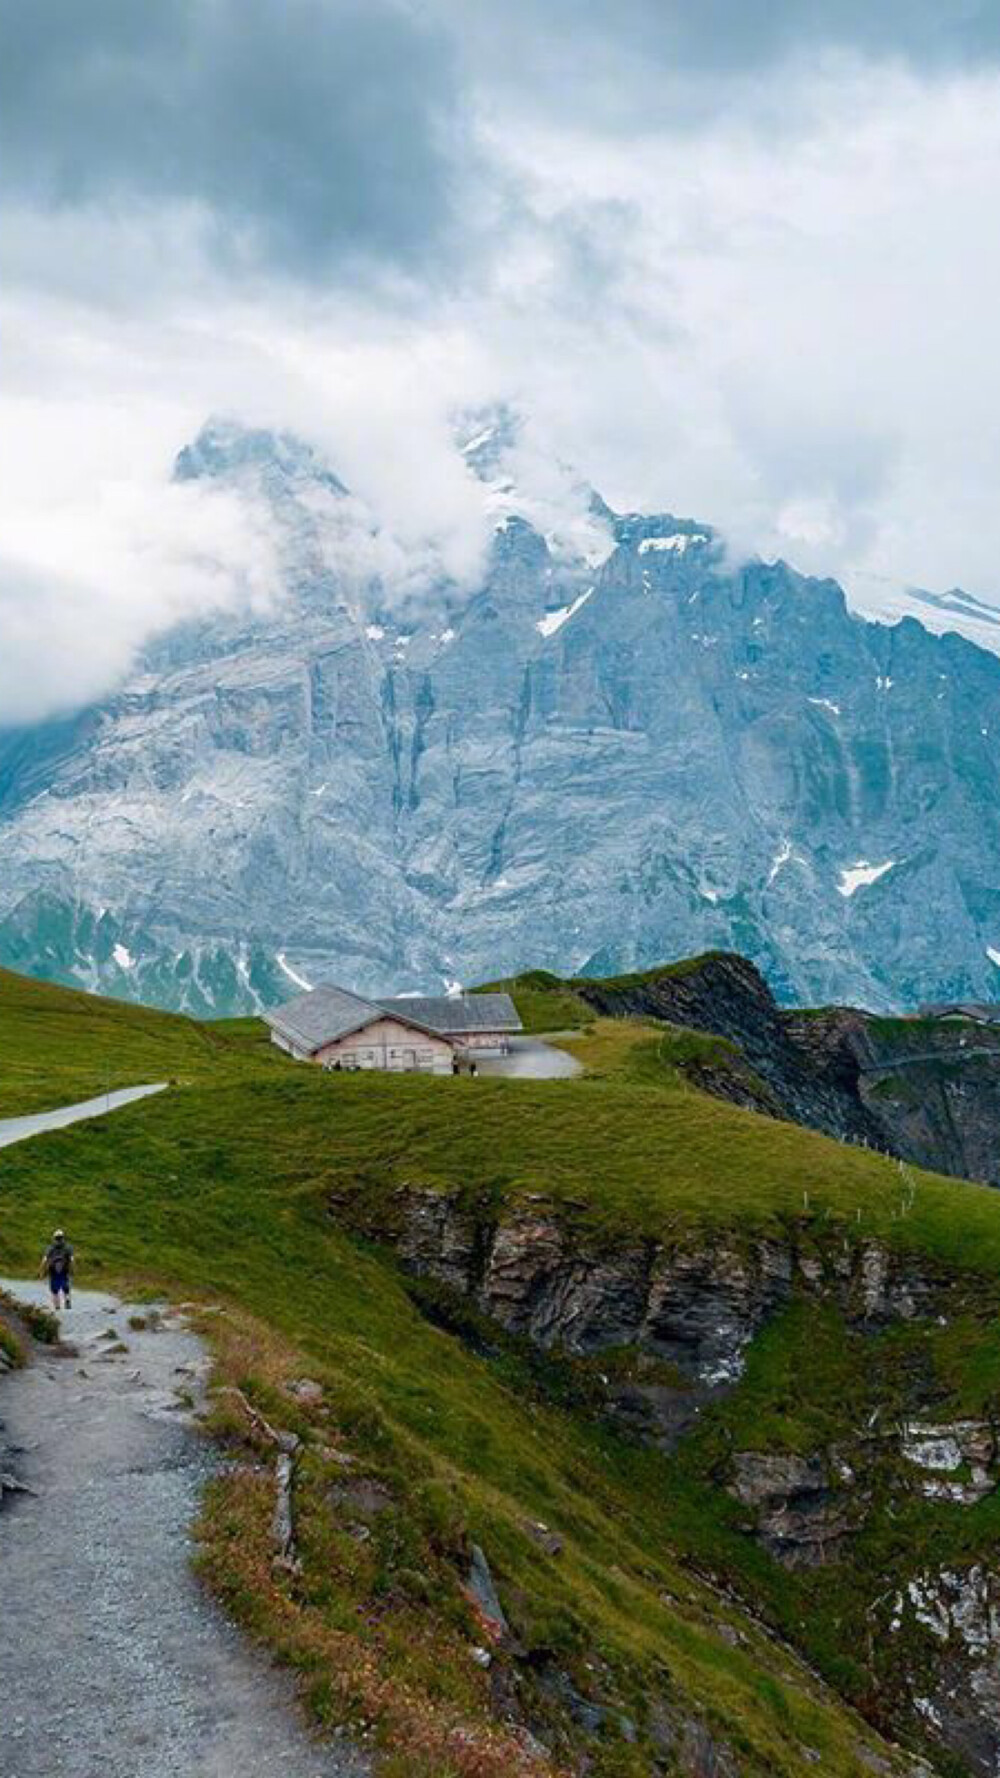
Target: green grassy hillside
{"x":544,"y":1001}
{"x":58,"y":1045}
{"x":548,"y":1002}
{"x":219,"y":1191}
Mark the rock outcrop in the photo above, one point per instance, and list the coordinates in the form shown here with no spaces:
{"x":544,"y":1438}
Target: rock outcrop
{"x":799,"y":1514}
{"x":958,"y":1699}
{"x":654,"y":1333}
{"x":688,"y":1314}
{"x":958,"y":1460}
{"x":805,"y":1509}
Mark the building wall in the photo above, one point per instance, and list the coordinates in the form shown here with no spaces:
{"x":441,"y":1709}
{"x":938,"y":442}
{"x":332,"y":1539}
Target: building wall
{"x":389,"y":1044}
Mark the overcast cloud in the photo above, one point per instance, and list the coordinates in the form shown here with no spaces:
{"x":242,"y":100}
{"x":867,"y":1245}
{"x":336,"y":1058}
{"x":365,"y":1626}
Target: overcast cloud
{"x":736,"y":260}
{"x":308,"y":137}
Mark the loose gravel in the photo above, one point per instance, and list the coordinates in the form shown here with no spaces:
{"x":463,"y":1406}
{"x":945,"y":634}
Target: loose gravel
{"x":113,"y":1662}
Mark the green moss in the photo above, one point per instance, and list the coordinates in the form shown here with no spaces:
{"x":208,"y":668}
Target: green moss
{"x":907,"y":1032}
{"x":39,"y":1324}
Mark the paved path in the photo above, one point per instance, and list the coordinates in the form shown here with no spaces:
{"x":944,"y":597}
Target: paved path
{"x":531,"y":1059}
{"x":17,"y":1129}
{"x":113,"y":1662}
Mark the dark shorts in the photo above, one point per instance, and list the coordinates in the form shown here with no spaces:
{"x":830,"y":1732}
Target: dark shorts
{"x":59,"y":1281}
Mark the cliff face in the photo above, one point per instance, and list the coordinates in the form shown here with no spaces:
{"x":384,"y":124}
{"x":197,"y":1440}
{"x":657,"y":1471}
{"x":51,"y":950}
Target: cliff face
{"x":797,"y":1387}
{"x":925,"y":1090}
{"x":688,"y":1316}
{"x":583,"y":764}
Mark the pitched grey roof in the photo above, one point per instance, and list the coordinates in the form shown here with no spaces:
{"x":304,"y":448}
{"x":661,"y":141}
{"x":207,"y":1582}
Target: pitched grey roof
{"x":328,"y":1012}
{"x":456,"y":1014}
{"x":321,"y":1016}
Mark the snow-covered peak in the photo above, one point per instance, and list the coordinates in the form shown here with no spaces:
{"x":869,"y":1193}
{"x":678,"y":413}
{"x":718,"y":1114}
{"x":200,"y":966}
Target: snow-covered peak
{"x":484,"y":436}
{"x":878,"y":596}
{"x":660,"y":533}
{"x":226,"y":450}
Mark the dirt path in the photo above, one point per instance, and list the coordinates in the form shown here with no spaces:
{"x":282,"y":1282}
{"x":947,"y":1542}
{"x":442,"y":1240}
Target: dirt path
{"x":113,"y":1662}
{"x":18,"y":1129}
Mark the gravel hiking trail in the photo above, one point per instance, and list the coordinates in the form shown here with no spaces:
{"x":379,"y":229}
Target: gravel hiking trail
{"x":113,"y":1661}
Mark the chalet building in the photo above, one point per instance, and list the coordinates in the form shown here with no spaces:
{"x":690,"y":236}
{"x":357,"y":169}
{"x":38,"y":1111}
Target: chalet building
{"x":332,"y":1026}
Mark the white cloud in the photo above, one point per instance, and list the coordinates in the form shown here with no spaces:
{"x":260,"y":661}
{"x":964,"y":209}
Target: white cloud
{"x":786,"y":332}
{"x":86,"y":581}
{"x":796,"y":340}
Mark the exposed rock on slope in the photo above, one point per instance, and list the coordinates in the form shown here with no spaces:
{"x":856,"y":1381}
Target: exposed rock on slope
{"x":664,"y":1336}
{"x":800,"y":1516}
{"x":580,"y":763}
{"x":690,"y":1314}
{"x":959,"y":1609}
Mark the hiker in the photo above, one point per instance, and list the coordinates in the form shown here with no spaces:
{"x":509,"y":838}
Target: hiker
{"x":473,"y":1069}
{"x":456,"y":1066}
{"x":58,"y":1263}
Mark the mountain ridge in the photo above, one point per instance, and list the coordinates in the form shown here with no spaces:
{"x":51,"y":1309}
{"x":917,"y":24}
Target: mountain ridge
{"x":575,"y":765}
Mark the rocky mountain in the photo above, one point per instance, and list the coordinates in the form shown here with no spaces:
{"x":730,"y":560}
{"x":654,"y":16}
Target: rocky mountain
{"x":614,"y":749}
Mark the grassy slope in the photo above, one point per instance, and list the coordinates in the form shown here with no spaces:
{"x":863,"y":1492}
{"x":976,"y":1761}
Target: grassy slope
{"x":219,"y":1190}
{"x":548,"y":1002}
{"x":548,"y":1005}
{"x":544,"y":1001}
{"x":58,"y":1045}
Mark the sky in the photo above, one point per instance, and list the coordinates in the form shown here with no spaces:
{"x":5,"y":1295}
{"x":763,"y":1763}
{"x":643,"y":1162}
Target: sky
{"x":735,"y":260}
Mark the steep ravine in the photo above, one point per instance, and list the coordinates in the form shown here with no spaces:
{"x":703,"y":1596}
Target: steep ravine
{"x":823,"y":1455}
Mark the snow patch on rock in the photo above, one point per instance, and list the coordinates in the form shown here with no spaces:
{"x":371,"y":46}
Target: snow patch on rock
{"x":554,"y":620}
{"x":861,"y":875}
{"x":292,"y":974}
{"x":678,"y":543}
